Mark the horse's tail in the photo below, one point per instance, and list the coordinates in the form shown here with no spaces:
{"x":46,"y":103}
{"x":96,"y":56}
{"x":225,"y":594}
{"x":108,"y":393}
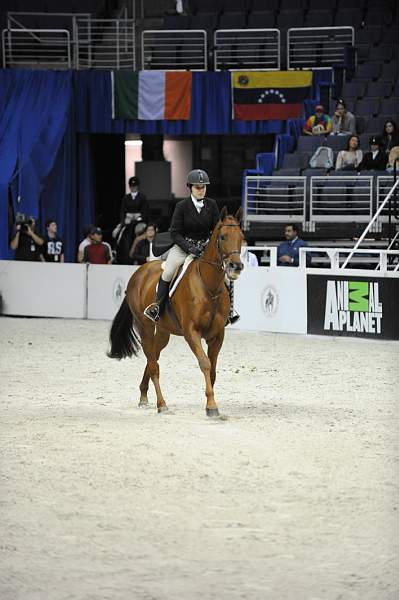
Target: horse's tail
{"x":124,"y":341}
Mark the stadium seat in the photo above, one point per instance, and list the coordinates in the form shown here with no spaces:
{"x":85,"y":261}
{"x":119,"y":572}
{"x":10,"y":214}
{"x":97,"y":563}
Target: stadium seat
{"x":391,"y":35}
{"x":350,"y":5}
{"x":176,"y":22}
{"x":368,"y":72}
{"x":343,"y":173}
{"x":367,"y":107}
{"x":362,"y":52}
{"x":390,"y":70}
{"x":337,"y":142}
{"x":293,"y":4}
{"x":327,"y":4}
{"x":287,"y":172}
{"x":261,"y":20}
{"x":368,"y":35}
{"x":290,"y":18}
{"x":319,"y":18}
{"x":351,"y":17}
{"x":353,"y":89}
{"x":396,"y":88}
{"x":378,"y":16}
{"x":207,"y":21}
{"x":309,"y":143}
{"x":261,"y":5}
{"x":381,"y":53}
{"x":295,"y":161}
{"x":390,"y":106}
{"x":314,"y":172}
{"x":205,"y":6}
{"x":234,"y":5}
{"x":350,"y":102}
{"x":360,"y":125}
{"x":233,"y":20}
{"x":373,"y":125}
{"x":379,"y":89}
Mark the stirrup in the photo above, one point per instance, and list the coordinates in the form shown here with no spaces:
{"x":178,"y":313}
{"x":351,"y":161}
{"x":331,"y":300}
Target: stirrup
{"x":152,"y":312}
{"x":233,"y":319}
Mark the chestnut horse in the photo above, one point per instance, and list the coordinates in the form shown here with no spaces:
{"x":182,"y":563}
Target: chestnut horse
{"x":198,"y":309}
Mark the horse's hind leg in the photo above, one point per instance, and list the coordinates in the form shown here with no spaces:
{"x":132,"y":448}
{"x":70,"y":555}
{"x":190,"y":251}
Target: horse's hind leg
{"x":152,"y":349}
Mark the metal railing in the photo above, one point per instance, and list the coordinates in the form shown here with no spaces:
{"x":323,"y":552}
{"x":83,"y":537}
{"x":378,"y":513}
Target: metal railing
{"x":250,"y":49}
{"x":47,"y":48}
{"x":317,"y":47}
{"x":174,"y":50}
{"x":105,"y":44}
{"x":365,"y":257}
{"x":274,"y":199}
{"x":384,"y":186}
{"x":340,"y":199}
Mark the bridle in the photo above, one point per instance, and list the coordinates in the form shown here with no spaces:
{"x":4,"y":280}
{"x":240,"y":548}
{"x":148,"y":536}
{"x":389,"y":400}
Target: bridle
{"x":223,"y":257}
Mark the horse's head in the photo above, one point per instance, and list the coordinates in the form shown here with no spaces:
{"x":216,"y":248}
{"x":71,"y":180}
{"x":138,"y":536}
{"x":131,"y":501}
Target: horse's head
{"x":229,"y":238}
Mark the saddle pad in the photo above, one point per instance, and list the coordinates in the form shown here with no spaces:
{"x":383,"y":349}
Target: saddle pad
{"x":177,"y":280}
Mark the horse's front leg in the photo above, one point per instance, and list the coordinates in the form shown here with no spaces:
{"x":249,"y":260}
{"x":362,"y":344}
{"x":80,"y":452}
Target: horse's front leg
{"x":193,"y":339}
{"x":214,"y":346}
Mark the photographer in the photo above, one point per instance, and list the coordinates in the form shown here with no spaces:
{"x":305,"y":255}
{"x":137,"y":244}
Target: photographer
{"x":26,"y":242}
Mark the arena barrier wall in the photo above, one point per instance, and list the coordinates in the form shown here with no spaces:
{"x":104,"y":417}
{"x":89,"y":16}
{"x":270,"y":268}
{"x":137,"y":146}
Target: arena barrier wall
{"x":359,"y":303}
{"x":43,"y":289}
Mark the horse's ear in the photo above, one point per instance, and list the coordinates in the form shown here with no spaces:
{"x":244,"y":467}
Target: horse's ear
{"x":223,"y":213}
{"x":238,"y":215}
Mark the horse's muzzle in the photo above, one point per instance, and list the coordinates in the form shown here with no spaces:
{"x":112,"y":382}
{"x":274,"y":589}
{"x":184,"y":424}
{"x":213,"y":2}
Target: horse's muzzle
{"x":234,"y":269}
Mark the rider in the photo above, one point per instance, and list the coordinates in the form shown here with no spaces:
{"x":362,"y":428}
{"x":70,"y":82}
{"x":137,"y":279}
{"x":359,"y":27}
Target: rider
{"x":192,"y":224}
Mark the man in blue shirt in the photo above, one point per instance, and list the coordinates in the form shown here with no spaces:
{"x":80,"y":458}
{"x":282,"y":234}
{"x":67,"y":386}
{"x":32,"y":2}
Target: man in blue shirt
{"x":288,"y":252}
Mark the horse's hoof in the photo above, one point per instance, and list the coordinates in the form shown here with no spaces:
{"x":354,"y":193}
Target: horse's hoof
{"x":143,"y":404}
{"x":212,"y":412}
{"x":162,"y":409}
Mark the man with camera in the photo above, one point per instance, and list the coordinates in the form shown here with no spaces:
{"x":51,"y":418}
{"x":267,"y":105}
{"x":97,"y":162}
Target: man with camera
{"x":26,"y":242}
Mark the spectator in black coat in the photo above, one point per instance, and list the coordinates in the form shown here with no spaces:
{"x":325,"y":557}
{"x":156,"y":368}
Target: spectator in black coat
{"x":390,"y":136}
{"x":134,"y":205}
{"x":142,"y":252}
{"x":376,"y":159}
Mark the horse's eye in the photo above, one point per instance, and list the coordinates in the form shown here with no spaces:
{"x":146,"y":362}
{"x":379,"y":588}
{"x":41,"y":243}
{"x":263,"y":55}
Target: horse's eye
{"x":222,"y":237}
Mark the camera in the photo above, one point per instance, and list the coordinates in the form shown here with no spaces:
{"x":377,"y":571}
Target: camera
{"x":24,"y":221}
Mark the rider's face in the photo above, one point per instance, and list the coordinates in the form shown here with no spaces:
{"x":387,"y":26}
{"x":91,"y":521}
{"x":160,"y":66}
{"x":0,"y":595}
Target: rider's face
{"x":198,"y":191}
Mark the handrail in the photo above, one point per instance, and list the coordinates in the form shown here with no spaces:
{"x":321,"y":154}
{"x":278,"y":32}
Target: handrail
{"x":371,"y":223}
{"x":334,"y":253}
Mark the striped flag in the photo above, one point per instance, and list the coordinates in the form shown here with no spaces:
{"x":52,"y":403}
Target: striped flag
{"x":259,"y":95}
{"x":151,"y":95}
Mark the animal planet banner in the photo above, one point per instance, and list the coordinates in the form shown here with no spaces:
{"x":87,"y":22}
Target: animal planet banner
{"x":151,"y":95}
{"x":259,"y":95}
{"x":353,"y":306}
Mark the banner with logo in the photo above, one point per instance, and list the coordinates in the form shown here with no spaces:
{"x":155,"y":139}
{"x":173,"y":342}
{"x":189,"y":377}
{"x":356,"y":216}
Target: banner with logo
{"x":353,"y":306}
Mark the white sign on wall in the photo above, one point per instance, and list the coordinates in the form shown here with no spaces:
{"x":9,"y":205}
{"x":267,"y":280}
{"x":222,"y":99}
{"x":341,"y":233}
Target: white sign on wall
{"x":271,"y":299}
{"x":106,"y":289}
{"x":43,"y":289}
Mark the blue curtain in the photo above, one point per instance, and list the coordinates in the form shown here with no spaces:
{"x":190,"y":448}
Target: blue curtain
{"x":35,"y":108}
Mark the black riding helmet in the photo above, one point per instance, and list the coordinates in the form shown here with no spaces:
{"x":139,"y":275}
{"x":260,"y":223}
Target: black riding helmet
{"x":197,"y":177}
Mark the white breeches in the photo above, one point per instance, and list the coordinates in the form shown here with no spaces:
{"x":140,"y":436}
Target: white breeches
{"x":176,"y":257}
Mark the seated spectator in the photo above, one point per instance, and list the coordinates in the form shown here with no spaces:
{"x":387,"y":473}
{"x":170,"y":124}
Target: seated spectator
{"x":376,"y":159}
{"x":350,"y":159}
{"x":393,"y":157}
{"x":288,"y":251}
{"x":390,"y":136}
{"x":319,"y":123}
{"x":87,"y":231}
{"x":97,"y":252}
{"x":248,"y":259}
{"x":25,"y":241}
{"x":53,"y":247}
{"x":343,"y":121}
{"x":141,"y":252}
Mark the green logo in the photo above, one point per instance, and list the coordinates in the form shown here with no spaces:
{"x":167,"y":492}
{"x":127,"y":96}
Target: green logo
{"x":358,"y":296}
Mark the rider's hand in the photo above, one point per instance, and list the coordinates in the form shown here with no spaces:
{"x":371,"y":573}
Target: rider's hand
{"x":192,"y":249}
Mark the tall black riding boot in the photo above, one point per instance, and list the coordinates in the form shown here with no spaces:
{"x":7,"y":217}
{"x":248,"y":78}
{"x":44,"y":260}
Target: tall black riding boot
{"x":154,"y":311}
{"x":233,"y":315}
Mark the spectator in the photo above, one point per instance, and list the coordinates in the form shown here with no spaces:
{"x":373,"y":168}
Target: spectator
{"x":53,"y":247}
{"x":288,"y":251}
{"x":392,"y":158}
{"x":87,"y":231}
{"x":134,"y":205}
{"x":376,"y":159}
{"x":343,"y":121}
{"x":248,"y":259}
{"x":350,"y":159}
{"x":390,"y":136}
{"x":25,"y":241}
{"x":142,"y":251}
{"x":97,"y":252}
{"x":319,"y":123}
